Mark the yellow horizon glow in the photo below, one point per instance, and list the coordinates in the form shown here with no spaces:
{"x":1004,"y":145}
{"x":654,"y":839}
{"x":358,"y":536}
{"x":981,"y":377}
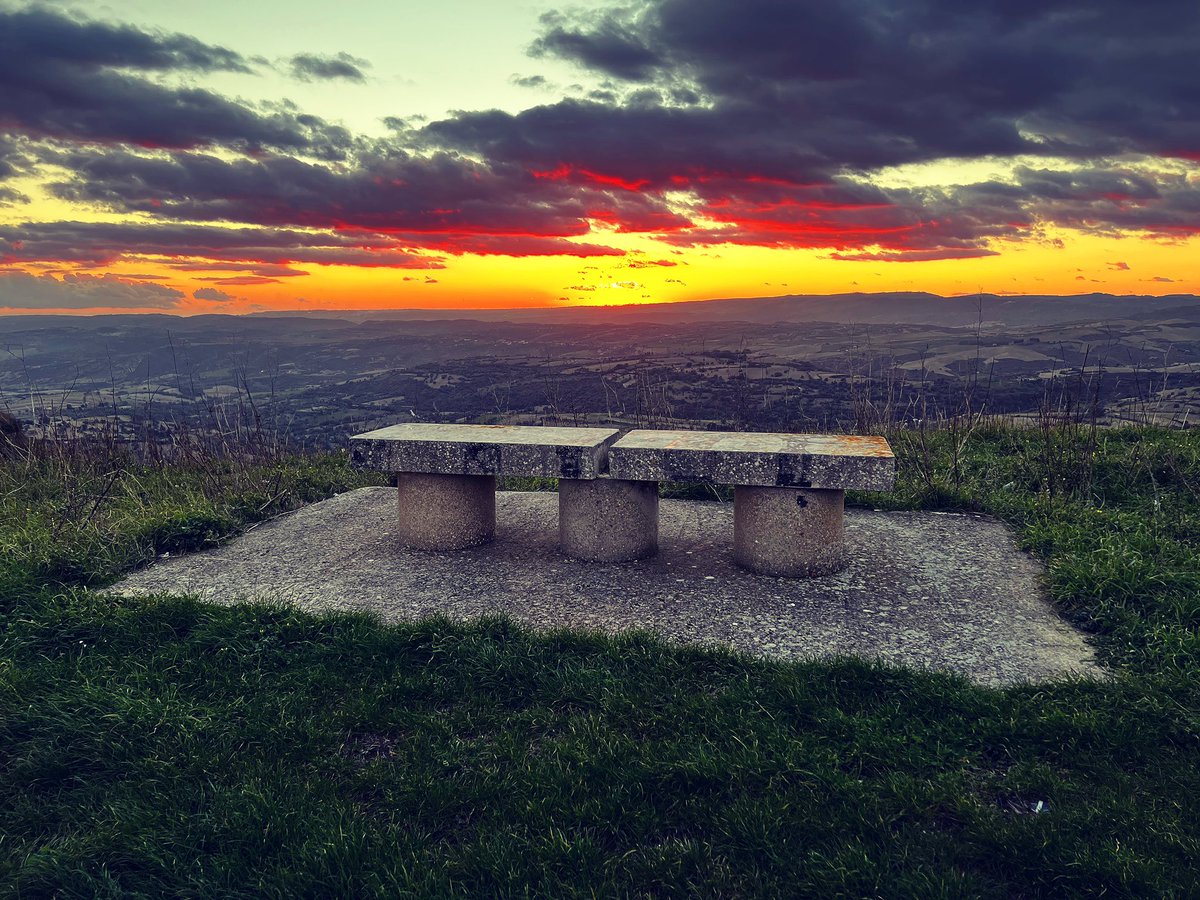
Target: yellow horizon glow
{"x":1084,"y":264}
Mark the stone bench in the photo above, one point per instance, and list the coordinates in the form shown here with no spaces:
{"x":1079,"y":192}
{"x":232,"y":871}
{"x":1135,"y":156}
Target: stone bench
{"x":788,"y":498}
{"x":789,"y":489}
{"x":446,"y":485}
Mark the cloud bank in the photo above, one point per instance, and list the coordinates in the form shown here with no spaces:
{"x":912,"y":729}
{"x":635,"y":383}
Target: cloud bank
{"x":22,"y":291}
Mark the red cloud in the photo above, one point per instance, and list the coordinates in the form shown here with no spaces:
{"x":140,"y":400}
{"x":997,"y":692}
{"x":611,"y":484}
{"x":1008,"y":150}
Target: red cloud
{"x":586,"y":176}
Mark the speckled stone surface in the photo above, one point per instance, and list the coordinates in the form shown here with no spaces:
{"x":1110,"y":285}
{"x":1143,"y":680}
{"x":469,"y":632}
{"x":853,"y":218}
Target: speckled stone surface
{"x":836,"y":461}
{"x":948,"y":592}
{"x":521,"y":450}
{"x":444,"y":512}
{"x":607,"y":520}
{"x":791,"y":532}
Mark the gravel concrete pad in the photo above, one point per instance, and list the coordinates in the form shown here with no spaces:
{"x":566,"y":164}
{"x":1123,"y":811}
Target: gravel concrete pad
{"x":926,"y":589}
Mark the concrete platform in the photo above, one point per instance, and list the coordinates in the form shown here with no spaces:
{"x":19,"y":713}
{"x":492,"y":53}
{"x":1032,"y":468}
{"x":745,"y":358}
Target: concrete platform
{"x":949,"y":592}
{"x":835,"y":461}
{"x":520,"y":450}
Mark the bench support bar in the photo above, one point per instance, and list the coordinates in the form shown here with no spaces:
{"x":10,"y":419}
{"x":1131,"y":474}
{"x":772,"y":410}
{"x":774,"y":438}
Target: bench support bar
{"x":791,"y":532}
{"x":446,"y":512}
{"x":607,"y":520}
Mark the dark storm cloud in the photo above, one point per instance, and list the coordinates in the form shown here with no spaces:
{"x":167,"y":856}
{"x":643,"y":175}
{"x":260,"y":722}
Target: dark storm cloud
{"x":846,"y":216}
{"x":20,"y":290}
{"x":398,"y":193}
{"x":41,"y":33}
{"x":263,"y":270}
{"x":17,"y":159}
{"x":73,"y":80}
{"x":314,"y":67}
{"x":644,"y":145}
{"x":1103,"y":202}
{"x":953,"y":222}
{"x":446,"y":204}
{"x":11,"y":197}
{"x":11,"y":160}
{"x":919,"y":79}
{"x":726,"y":100}
{"x":530,"y":81}
{"x":217,"y":296}
{"x":608,"y":42}
{"x":241,"y":280}
{"x":506,"y":245}
{"x":258,"y":252}
{"x":103,"y":243}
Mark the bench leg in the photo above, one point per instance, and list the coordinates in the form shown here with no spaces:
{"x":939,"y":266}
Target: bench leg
{"x":789,"y":531}
{"x":607,"y":520}
{"x":446,"y":512}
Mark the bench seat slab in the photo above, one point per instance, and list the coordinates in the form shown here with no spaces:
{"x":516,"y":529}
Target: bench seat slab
{"x":836,"y":462}
{"x":520,"y":450}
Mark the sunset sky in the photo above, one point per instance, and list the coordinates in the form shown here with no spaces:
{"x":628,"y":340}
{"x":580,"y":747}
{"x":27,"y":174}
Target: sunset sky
{"x":236,"y":156}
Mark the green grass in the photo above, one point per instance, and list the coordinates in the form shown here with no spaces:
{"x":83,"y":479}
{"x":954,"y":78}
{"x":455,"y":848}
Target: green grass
{"x":167,"y":747}
{"x":84,"y":518}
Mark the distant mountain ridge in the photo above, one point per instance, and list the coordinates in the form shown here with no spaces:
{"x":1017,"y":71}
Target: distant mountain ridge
{"x":853,"y":308}
{"x":911,"y":308}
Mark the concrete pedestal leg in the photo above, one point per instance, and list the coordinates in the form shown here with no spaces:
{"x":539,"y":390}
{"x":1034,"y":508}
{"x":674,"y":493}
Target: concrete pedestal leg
{"x":607,"y":520}
{"x":446,"y":512}
{"x":789,"y":531}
